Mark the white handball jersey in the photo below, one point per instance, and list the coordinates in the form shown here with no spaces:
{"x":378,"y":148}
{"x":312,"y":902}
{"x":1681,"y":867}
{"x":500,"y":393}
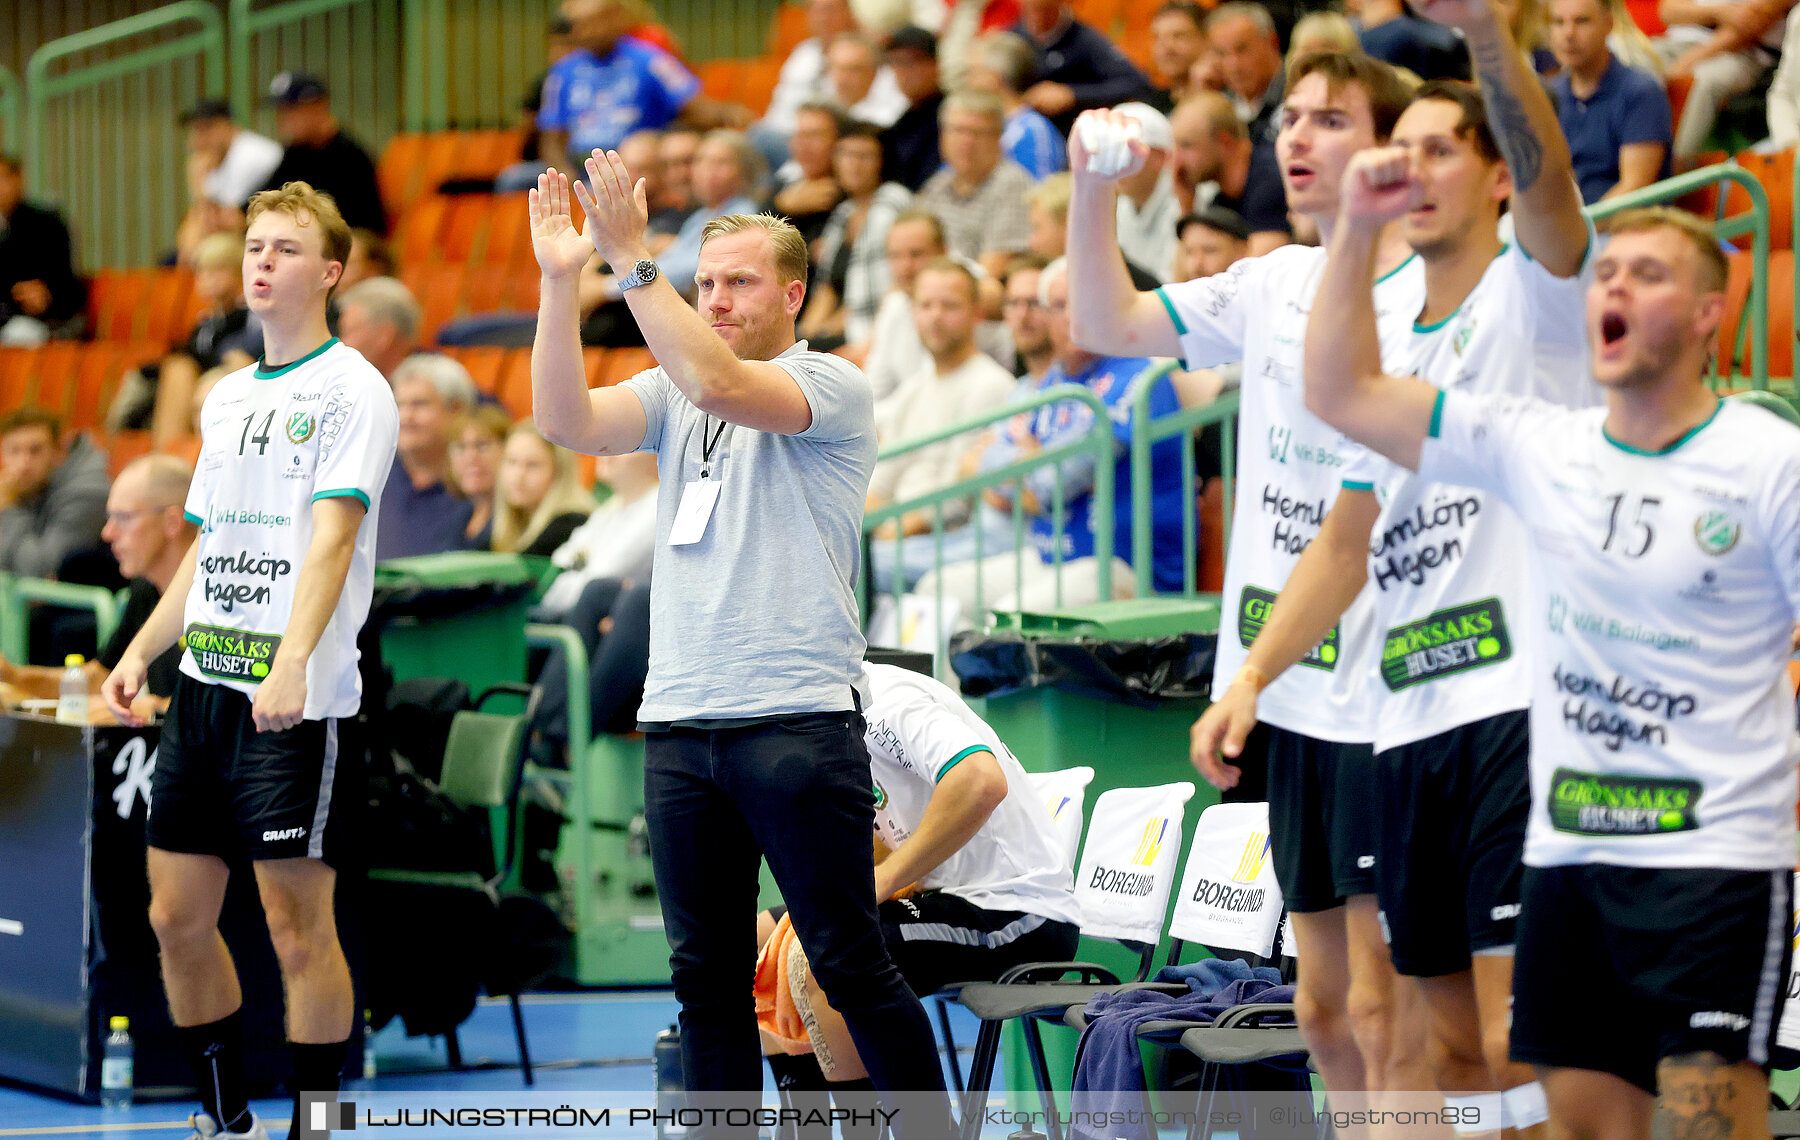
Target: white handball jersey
{"x":1444,"y":560}
{"x":1662,"y":733}
{"x":1290,"y":467}
{"x":272,"y":443}
{"x":918,"y":729}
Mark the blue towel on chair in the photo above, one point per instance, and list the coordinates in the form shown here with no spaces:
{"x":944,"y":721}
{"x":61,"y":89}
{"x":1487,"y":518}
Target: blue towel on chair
{"x":1210,"y":975}
{"x":1109,"y":1073}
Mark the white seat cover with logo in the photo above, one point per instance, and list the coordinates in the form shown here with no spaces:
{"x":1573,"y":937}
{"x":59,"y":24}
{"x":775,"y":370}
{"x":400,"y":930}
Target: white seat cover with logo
{"x":1128,"y":861}
{"x":1229,"y":898}
{"x":1065,"y":796}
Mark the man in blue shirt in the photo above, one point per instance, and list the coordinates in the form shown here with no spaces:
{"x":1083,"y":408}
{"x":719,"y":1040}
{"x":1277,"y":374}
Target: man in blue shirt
{"x":613,"y":84}
{"x":1117,"y":380}
{"x":1615,"y":117}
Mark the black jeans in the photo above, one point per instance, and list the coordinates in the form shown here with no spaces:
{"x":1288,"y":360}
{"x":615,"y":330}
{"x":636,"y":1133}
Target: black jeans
{"x":795,"y":791}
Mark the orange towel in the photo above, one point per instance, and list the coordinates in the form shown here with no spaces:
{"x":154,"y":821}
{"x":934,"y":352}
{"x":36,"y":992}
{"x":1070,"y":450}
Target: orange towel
{"x":776,"y":1014}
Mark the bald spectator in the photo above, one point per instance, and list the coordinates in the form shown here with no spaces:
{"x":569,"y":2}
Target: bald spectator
{"x":39,"y":291}
{"x":380,"y":318}
{"x":225,"y":165}
{"x":614,"y":83}
{"x":1177,"y":43}
{"x":977,"y":194}
{"x":52,"y":493}
{"x":1006,"y":64}
{"x":149,"y":535}
{"x":910,"y":146}
{"x":1212,"y":146}
{"x":852,"y":67}
{"x":1147,"y":209}
{"x":806,"y":190}
{"x":319,"y":153}
{"x":1078,"y":67}
{"x":1249,"y":50}
{"x":420,"y":513}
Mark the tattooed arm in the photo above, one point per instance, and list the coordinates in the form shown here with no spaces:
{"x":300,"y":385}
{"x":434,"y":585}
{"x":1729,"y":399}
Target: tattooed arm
{"x":1546,"y":203}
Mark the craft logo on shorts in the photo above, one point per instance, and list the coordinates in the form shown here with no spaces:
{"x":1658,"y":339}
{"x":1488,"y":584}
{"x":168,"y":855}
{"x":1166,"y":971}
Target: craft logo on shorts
{"x":1589,"y":803}
{"x":1717,"y":532}
{"x":300,"y":426}
{"x":1256,"y":853}
{"x":1449,"y":641}
{"x":1253,"y":613}
{"x":231,"y":654}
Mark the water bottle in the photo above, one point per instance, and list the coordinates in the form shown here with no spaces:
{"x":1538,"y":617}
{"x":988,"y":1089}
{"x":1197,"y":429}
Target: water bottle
{"x":115,"y":1062}
{"x":72,"y":692}
{"x":369,"y":1065}
{"x":666,"y":1064}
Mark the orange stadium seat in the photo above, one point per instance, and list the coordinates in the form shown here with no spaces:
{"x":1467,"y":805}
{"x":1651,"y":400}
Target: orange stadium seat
{"x":787,"y":27}
{"x":124,"y":446}
{"x":1775,"y":172}
{"x":593,"y":360}
{"x":758,"y":85}
{"x":509,"y":232}
{"x":521,"y":287}
{"x":52,"y":372}
{"x":484,"y":363}
{"x":465,"y":226}
{"x":420,"y":228}
{"x":623,"y":363}
{"x":438,"y":289}
{"x":167,"y":305}
{"x":719,"y":78}
{"x":399,"y":172}
{"x":515,"y":383}
{"x":15,"y":375}
{"x":114,"y":300}
{"x":442,"y":158}
{"x":1781,"y":313}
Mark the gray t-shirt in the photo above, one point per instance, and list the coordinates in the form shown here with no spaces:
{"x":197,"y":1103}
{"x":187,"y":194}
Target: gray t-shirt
{"x":759,"y":617}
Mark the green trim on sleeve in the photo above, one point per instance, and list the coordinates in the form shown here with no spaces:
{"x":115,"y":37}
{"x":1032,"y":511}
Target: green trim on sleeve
{"x":1180,"y":326}
{"x":960,"y":757}
{"x":1357,"y":485}
{"x":1437,"y":416}
{"x":193,"y":518}
{"x":345,"y":493}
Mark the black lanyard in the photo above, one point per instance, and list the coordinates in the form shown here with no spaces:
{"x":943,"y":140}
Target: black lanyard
{"x":708,"y":446}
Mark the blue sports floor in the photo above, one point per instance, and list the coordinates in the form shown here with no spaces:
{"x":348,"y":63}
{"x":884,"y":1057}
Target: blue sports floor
{"x":587,"y":1042}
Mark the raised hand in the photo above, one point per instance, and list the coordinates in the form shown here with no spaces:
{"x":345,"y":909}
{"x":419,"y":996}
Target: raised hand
{"x":618,"y":211}
{"x":1379,"y":186}
{"x":561,"y":250}
{"x":1101,"y":122}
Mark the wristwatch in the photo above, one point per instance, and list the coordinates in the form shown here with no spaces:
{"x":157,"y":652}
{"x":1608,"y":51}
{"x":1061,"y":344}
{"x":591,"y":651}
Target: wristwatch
{"x":642,"y":273}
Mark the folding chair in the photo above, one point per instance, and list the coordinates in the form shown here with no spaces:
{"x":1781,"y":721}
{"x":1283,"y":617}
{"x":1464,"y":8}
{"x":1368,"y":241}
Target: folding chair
{"x":1123,"y":883}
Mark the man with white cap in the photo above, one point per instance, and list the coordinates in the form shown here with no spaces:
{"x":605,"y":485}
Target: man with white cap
{"x":1148,"y":209}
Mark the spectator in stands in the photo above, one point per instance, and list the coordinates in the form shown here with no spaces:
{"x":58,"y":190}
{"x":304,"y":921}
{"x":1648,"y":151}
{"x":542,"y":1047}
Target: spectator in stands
{"x":1388,"y":31}
{"x":804,"y":78}
{"x":319,"y":153}
{"x":149,"y":536}
{"x":806,"y":190}
{"x":538,"y":501}
{"x":1147,"y":206}
{"x":956,"y":382}
{"x":1615,"y":117}
{"x":1177,"y":43}
{"x":1047,"y":212}
{"x":476,"y":442}
{"x":1525,"y":20}
{"x":1784,"y":90}
{"x":679,"y":145}
{"x":160,"y":395}
{"x":977,"y":194}
{"x":1118,"y":381}
{"x":52,"y":493}
{"x":642,"y":154}
{"x":727,"y":171}
{"x":1319,"y":32}
{"x":852,"y":269}
{"x":894,"y":351}
{"x":380,"y":319}
{"x":1725,"y":47}
{"x":370,"y":256}
{"x":225,"y":165}
{"x":1077,"y":66}
{"x":420,"y":513}
{"x":852,"y":65}
{"x":39,"y":292}
{"x":1006,"y":64}
{"x":614,"y":83}
{"x":1250,"y":54}
{"x":1212,"y":241}
{"x":911,"y":143}
{"x":1026,"y":319}
{"x":1212,"y":145}
{"x":522,"y":175}
{"x":603,"y":594}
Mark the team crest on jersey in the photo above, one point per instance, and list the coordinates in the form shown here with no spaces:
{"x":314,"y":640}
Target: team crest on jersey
{"x":1461,"y":340}
{"x":1717,"y":532}
{"x":880,"y":796}
{"x":300,"y":426}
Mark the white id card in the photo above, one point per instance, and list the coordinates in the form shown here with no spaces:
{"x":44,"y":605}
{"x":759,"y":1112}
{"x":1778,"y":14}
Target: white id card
{"x":698,"y":498}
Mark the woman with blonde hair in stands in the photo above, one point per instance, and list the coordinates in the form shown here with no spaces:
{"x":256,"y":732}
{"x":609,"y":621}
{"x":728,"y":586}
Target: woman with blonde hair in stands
{"x":476,"y":440}
{"x":1320,"y":31}
{"x":1629,"y":43}
{"x":538,"y":500}
{"x":1526,"y":21}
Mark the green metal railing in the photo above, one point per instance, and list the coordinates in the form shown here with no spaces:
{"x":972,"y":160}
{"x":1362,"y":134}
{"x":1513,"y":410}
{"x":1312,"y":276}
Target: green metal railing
{"x":100,"y":125}
{"x":1097,"y":443}
{"x":11,"y":98}
{"x":355,"y":46}
{"x":1146,"y":433}
{"x":18,"y":594}
{"x":1754,"y":222}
